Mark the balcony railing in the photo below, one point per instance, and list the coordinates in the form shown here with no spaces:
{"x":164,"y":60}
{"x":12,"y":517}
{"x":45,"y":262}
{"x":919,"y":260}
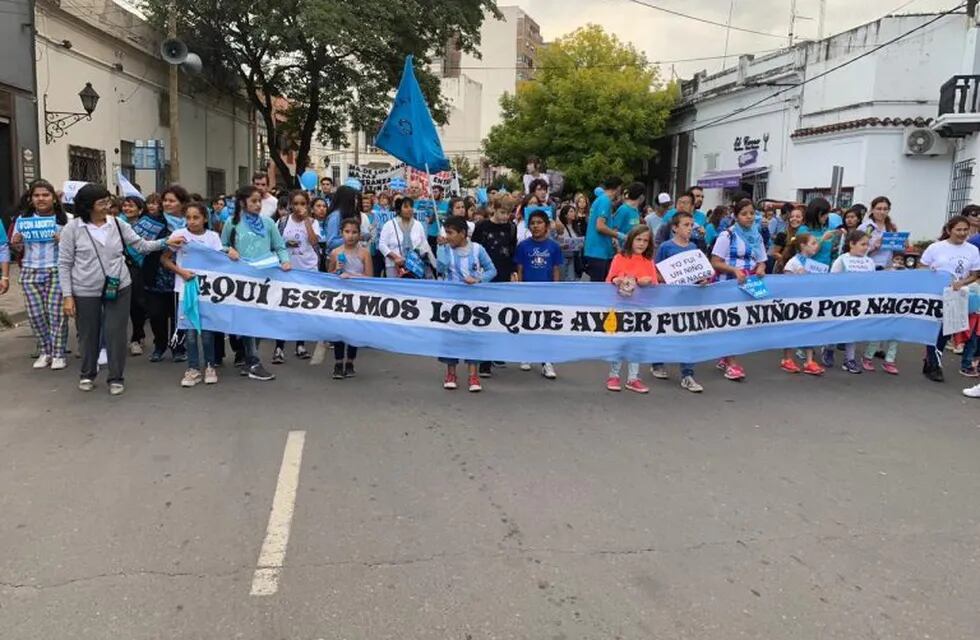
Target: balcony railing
{"x":960,"y":94}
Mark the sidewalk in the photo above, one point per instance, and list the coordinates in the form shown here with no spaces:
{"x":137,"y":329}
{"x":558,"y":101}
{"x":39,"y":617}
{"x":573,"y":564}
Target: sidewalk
{"x":12,"y":309}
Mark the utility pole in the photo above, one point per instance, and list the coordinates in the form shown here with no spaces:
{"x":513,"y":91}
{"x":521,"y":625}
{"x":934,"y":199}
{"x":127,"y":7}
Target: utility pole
{"x":728,"y":31}
{"x":821,"y":19}
{"x":792,"y":20}
{"x":172,"y":90}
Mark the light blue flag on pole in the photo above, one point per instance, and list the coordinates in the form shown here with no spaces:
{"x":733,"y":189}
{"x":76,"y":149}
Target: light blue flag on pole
{"x":127,"y":187}
{"x":409,"y":133}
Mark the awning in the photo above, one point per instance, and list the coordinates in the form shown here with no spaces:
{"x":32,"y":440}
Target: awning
{"x":732,"y":178}
{"x":721,"y":179}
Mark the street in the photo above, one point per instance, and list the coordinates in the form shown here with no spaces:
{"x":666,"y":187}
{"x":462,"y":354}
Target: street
{"x":782,"y":507}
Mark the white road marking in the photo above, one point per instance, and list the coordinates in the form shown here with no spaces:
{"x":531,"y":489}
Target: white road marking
{"x":265,"y":581}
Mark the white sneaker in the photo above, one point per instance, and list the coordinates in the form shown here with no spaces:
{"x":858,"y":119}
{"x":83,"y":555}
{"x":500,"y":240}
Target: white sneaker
{"x":191,"y":378}
{"x":85,"y":384}
{"x":116,"y":388}
{"x":972,"y":392}
{"x":659,"y":372}
{"x":210,"y":376}
{"x":548,"y":371}
{"x":525,"y":366}
{"x":58,"y":363}
{"x":42,"y":362}
{"x":103,"y":357}
{"x":135,"y":349}
{"x":689,"y":383}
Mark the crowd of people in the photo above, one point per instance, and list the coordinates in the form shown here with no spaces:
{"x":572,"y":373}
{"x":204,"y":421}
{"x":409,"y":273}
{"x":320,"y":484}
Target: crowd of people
{"x":113,"y":264}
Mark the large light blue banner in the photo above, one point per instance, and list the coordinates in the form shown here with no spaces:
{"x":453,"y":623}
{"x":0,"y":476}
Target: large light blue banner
{"x":559,"y":322}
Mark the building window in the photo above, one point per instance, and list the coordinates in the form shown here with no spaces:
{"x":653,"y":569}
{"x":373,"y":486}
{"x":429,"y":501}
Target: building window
{"x":959,"y":190}
{"x":86,"y":164}
{"x":216,"y":182}
{"x":126,"y":164}
{"x":711,"y":161}
{"x":335,"y":173}
{"x":243,"y":176}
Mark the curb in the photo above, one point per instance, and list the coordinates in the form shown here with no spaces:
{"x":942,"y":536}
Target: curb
{"x":11,"y":320}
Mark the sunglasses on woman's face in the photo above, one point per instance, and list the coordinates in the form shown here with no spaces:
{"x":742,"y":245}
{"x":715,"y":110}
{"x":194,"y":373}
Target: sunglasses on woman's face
{"x":973,"y":214}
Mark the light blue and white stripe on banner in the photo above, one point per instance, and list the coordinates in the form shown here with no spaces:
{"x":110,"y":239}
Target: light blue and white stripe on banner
{"x":559,"y":322}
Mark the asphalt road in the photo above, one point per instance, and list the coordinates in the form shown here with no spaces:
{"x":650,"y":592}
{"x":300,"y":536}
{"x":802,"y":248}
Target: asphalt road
{"x":782,"y":507}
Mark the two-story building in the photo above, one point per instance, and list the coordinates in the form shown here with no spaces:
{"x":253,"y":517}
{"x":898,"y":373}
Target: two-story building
{"x":866,"y":100}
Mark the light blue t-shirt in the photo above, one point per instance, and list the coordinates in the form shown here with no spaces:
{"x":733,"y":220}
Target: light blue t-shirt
{"x":625,"y":219}
{"x":442,"y":208}
{"x":597,"y":245}
{"x":700,"y":217}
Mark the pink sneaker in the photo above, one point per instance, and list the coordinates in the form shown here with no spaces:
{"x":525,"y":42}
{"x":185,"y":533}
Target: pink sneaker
{"x":613,"y":384}
{"x":889,"y":367}
{"x":735,"y":372}
{"x":637,"y":386}
{"x":722,"y":364}
{"x":868,"y":364}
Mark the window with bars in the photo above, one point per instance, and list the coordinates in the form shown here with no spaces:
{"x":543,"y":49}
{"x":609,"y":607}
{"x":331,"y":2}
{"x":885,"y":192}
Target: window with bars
{"x":216,"y":182}
{"x":126,"y":163}
{"x":961,"y":186}
{"x":87,"y":165}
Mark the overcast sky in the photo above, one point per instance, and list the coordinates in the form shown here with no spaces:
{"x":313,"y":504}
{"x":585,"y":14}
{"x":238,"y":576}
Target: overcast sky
{"x":667,"y":37}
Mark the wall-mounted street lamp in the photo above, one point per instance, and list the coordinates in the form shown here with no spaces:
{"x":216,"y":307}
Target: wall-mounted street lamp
{"x":56,"y":123}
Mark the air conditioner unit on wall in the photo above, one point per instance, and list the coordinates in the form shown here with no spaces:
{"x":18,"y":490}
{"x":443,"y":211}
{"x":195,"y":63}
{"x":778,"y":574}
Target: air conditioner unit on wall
{"x":924,"y":142}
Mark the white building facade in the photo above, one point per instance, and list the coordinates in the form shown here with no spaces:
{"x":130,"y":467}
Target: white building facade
{"x":116,"y":51}
{"x":872,"y":117}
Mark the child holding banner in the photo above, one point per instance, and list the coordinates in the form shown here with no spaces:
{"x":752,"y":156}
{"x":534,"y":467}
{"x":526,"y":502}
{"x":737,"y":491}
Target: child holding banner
{"x":352,"y":260}
{"x":682,"y":224}
{"x":195,"y":232}
{"x":738,"y":253}
{"x":539,"y":259}
{"x":856,"y":260}
{"x":631,"y":268}
{"x":36,"y":232}
{"x":804,"y":246}
{"x":254,"y":238}
{"x":462,"y":260}
{"x":301,"y":233}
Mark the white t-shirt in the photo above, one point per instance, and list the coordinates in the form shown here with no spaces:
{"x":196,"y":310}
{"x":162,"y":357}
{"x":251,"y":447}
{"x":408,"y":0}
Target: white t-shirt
{"x":846,"y":263}
{"x":98,"y":233}
{"x":956,"y":259}
{"x":270,"y":204}
{"x":798,"y":264}
{"x":209,"y":239}
{"x":528,"y":179}
{"x":303,"y":256}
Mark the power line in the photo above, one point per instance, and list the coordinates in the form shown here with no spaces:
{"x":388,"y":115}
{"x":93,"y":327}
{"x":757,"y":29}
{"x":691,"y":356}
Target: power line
{"x":706,"y":21}
{"x":823,"y":74}
{"x":612,"y":65}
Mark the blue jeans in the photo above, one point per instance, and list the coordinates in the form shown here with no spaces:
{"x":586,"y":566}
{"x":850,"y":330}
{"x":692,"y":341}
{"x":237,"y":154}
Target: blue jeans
{"x":686,"y":369}
{"x":970,"y":350}
{"x":207,"y":344}
{"x":251,"y":347}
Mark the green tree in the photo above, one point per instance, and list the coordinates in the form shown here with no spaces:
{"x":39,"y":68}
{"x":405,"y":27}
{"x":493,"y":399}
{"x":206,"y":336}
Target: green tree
{"x":469,"y":173}
{"x":594,"y":109}
{"x":335,"y":63}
